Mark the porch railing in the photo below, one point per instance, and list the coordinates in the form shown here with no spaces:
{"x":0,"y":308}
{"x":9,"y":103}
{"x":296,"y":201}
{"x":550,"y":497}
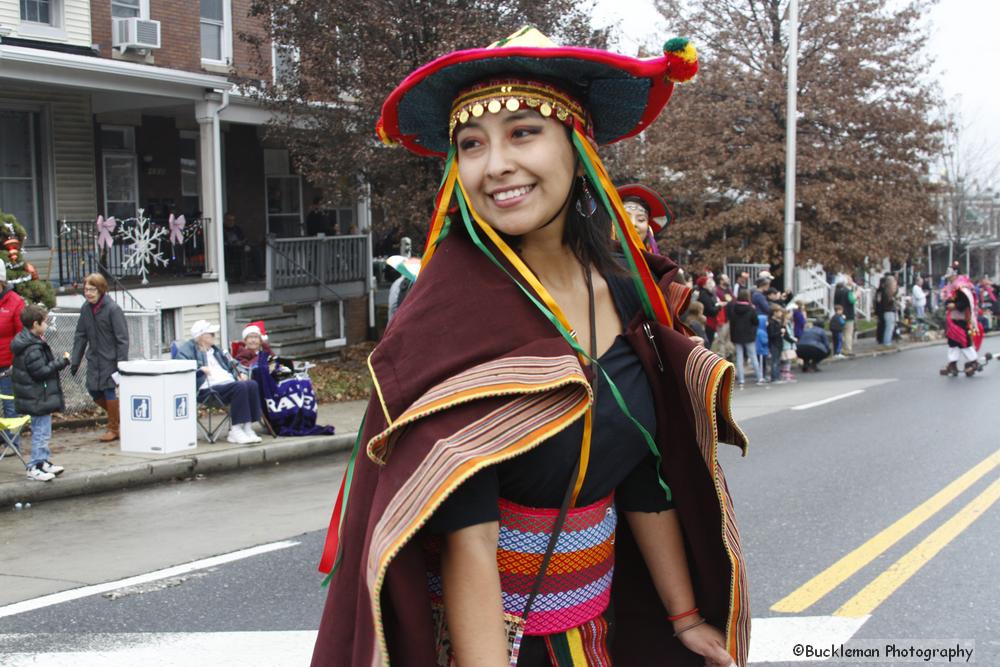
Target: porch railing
{"x":316,"y":261}
{"x":79,"y":254}
{"x":734,"y":270}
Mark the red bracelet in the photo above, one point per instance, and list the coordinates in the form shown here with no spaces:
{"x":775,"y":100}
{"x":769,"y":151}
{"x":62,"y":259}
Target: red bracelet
{"x":690,"y":612}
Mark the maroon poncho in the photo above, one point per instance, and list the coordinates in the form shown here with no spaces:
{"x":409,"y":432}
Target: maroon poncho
{"x":471,"y":373}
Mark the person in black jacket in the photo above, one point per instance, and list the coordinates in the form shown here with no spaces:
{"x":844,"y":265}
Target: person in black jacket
{"x":776,"y":339}
{"x":37,"y":391}
{"x":101,"y":333}
{"x":742,"y":318}
{"x":710,"y":306}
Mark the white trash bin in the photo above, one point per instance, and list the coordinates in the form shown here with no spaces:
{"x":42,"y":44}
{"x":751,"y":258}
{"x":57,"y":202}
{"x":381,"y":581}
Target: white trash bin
{"x":158,"y":405}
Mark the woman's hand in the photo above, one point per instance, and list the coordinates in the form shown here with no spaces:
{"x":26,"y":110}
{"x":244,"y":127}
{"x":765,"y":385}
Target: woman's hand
{"x":66,"y":356}
{"x":705,"y":640}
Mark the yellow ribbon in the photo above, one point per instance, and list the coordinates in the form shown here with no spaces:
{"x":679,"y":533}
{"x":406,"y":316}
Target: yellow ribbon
{"x":529,"y":276}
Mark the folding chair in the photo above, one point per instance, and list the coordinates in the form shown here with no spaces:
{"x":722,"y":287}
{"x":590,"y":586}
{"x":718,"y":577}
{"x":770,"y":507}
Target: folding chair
{"x":11,"y":431}
{"x":212,"y":402}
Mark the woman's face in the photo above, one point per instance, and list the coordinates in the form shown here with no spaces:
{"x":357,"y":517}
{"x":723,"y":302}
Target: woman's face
{"x":252,"y":341}
{"x":91,"y":293}
{"x":640,"y":218}
{"x":518,"y":169}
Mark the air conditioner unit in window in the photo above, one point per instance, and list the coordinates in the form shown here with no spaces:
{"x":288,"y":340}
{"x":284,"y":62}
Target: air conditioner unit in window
{"x":135,"y":33}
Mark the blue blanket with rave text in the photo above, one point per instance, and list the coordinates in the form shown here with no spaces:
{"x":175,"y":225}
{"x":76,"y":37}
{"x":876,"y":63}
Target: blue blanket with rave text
{"x":290,"y":404}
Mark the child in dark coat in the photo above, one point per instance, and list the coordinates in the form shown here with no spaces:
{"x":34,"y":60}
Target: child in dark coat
{"x":37,"y":391}
{"x":837,"y":323}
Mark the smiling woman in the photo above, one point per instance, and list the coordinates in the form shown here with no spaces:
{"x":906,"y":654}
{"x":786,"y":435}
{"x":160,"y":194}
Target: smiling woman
{"x":533,"y":388}
{"x":518,"y":170}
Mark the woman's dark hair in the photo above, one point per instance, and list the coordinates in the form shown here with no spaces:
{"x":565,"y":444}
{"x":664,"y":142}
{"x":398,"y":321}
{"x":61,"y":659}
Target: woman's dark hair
{"x":590,"y":238}
{"x":743,"y":295}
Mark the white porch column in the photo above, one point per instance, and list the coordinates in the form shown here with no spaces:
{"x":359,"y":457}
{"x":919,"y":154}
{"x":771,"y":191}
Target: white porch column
{"x":210,"y":171}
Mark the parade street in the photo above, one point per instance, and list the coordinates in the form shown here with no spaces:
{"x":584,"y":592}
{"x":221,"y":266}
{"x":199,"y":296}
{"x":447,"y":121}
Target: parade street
{"x":867,"y":507}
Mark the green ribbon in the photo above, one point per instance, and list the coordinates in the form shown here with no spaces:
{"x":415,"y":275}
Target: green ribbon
{"x":348,"y":478}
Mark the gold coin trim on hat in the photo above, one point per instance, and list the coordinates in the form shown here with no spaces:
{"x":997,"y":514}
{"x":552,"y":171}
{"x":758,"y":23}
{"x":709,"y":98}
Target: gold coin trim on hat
{"x":496,"y":96}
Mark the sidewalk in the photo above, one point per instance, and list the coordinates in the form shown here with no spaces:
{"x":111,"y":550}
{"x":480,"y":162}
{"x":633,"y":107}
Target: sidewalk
{"x":95,"y":467}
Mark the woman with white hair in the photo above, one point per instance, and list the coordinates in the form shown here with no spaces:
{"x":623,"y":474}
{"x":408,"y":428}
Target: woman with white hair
{"x":216,"y":373}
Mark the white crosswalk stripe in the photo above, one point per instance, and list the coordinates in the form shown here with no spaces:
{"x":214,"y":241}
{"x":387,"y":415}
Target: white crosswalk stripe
{"x":773,"y":640}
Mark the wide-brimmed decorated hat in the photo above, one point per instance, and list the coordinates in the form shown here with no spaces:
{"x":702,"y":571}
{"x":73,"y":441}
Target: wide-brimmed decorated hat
{"x":612,"y":95}
{"x":660,"y":214}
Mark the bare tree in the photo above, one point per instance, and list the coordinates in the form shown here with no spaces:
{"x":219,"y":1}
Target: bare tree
{"x":351,"y":54}
{"x":968,"y":172}
{"x":866,"y":132}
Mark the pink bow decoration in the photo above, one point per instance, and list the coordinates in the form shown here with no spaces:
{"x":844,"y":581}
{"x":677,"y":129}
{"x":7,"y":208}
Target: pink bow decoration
{"x":104,"y":229}
{"x":176,"y":228}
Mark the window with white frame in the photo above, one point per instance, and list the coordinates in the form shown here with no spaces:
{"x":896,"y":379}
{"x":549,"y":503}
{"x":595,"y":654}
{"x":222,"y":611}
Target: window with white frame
{"x":120,"y":171}
{"x":187,"y":147}
{"x":285,"y":60}
{"x":283,"y":194}
{"x":127,"y":9}
{"x":22,"y":171}
{"x":37,"y":11}
{"x":216,"y":34}
{"x":42,"y":18}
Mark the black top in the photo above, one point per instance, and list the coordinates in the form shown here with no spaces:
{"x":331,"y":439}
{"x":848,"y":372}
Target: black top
{"x":620,"y":459}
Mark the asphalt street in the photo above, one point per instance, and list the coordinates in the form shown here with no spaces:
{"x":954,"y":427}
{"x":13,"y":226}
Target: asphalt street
{"x":866,"y":504}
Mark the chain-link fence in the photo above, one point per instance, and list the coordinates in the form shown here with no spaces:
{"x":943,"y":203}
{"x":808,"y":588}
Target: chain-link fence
{"x":144,"y":343}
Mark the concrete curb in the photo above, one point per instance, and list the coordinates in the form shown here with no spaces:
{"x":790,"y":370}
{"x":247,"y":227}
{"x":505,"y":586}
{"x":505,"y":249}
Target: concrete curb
{"x":900,"y":348}
{"x":126,"y":476}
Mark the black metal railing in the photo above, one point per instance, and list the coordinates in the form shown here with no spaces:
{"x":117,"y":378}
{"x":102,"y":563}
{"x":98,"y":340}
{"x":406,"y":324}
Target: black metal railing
{"x":79,"y":254}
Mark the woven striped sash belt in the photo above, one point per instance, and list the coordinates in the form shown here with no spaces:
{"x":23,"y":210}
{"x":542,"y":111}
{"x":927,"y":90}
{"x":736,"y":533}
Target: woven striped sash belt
{"x":577,"y":585}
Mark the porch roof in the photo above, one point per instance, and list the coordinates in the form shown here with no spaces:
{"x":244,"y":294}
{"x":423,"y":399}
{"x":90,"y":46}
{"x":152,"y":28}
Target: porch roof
{"x":76,"y":71}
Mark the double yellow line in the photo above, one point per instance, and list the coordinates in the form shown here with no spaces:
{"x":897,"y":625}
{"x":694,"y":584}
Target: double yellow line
{"x":875,"y":593}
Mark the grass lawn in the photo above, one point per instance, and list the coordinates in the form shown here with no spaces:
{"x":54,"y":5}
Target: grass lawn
{"x":865,"y":325}
{"x":343,"y":379}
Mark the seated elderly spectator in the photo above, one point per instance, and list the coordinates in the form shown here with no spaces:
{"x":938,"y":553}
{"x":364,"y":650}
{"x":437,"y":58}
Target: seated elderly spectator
{"x":216,"y":373}
{"x":813,"y":347}
{"x":248,"y":351}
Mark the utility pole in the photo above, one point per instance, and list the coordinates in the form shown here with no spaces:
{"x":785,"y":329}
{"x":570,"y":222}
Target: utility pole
{"x":790,"y":122}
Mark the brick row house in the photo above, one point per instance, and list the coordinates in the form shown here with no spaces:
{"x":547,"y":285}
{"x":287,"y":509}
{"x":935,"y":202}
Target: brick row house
{"x":112,"y":107}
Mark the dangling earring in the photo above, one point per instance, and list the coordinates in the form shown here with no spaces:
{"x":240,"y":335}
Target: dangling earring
{"x":586,"y":205}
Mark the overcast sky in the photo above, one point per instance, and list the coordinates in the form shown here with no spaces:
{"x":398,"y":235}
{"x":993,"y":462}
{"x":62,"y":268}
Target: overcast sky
{"x":964,"y":43}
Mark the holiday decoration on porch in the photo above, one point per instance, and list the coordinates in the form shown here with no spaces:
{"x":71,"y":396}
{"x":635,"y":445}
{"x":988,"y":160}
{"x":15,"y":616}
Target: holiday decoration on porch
{"x":144,"y":238}
{"x":176,"y":226}
{"x":104,"y":230}
{"x":21,"y":275}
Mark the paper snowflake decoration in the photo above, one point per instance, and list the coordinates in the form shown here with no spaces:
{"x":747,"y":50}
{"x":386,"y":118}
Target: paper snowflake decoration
{"x":145,"y":242}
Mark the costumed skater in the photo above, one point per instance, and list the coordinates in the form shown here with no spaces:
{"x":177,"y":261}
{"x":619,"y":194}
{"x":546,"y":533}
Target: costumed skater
{"x":965,"y":336}
{"x":408,"y":269}
{"x":648,"y":211}
{"x":538,"y":461}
